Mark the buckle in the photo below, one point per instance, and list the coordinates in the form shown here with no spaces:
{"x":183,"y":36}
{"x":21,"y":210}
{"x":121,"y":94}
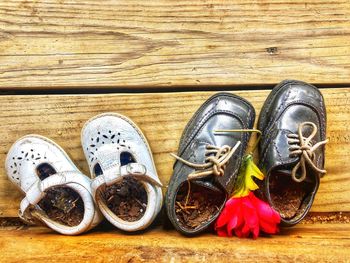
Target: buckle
{"x":135,"y":169}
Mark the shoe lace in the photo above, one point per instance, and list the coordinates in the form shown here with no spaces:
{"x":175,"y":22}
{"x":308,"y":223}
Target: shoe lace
{"x":303,"y":147}
{"x":215,"y":161}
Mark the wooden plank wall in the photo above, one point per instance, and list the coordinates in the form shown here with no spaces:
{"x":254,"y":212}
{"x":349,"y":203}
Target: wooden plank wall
{"x":131,"y":44}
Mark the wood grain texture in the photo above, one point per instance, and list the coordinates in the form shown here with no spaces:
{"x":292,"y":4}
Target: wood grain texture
{"x":162,"y":117}
{"x":316,"y":243}
{"x":67,"y":44}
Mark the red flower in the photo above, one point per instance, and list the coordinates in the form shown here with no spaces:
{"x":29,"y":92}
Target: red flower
{"x":245,"y":215}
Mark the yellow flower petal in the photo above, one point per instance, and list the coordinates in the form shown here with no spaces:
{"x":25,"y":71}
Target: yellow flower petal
{"x":245,"y":182}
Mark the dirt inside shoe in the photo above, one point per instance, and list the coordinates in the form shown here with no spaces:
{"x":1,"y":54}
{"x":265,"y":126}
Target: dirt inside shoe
{"x":288,"y":196}
{"x":126,"y":199}
{"x":63,"y":205}
{"x":195,"y":205}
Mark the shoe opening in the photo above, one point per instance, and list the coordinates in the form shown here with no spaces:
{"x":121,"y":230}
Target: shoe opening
{"x":288,"y":197}
{"x":125,"y":158}
{"x":44,"y":170}
{"x":196,"y":205}
{"x":127,"y":199}
{"x":63,"y":205}
{"x":97,"y":170}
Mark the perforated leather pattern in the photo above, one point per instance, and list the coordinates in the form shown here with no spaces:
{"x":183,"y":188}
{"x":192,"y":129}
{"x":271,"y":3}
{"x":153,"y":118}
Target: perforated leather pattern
{"x":102,"y":138}
{"x":17,"y":160}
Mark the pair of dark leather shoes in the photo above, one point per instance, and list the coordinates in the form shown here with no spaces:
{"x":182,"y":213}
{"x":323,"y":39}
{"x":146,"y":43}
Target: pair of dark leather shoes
{"x":291,"y":149}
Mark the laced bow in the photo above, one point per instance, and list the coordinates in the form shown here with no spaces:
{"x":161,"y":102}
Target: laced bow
{"x":302,"y":146}
{"x":215,"y":161}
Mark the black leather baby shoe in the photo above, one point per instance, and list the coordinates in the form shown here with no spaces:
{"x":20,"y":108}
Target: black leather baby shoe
{"x":293,"y":125}
{"x":208,"y":162}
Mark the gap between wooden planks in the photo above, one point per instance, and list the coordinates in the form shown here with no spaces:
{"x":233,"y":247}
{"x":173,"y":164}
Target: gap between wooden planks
{"x":162,"y":117}
{"x":316,"y":243}
{"x":70,"y":44}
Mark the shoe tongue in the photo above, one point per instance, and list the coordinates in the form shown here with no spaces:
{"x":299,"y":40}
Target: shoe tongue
{"x":207,"y":184}
{"x":107,"y":156}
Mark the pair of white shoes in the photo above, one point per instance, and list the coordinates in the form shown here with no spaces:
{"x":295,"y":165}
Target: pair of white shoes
{"x":119,"y":157}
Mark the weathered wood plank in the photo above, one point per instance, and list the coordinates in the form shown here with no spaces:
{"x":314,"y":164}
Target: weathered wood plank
{"x":162,"y":117}
{"x":65,"y":44}
{"x":316,"y":243}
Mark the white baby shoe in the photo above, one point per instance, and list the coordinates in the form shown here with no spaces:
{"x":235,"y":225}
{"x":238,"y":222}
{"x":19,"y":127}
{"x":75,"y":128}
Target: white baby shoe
{"x":57,"y":193}
{"x":126,"y":186}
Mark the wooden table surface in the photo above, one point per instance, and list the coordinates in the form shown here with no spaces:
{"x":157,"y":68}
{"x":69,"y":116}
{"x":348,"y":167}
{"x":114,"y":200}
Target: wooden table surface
{"x":64,"y":61}
{"x":304,"y":243}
